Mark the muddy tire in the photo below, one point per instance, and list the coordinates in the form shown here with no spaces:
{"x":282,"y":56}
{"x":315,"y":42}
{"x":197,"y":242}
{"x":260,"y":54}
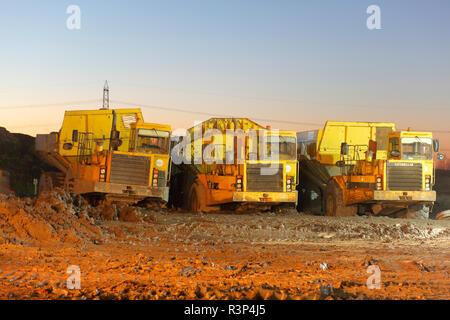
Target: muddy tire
{"x":334,"y":203}
{"x":69,"y":181}
{"x":45,"y":183}
{"x":197,"y":201}
{"x":186,"y":180}
{"x":444,"y":215}
{"x":50,"y":180}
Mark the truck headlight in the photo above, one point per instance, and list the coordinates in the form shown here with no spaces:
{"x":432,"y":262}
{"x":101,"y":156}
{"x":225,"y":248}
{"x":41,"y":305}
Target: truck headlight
{"x":428,"y":182}
{"x":239,"y":183}
{"x":155,"y":178}
{"x":288,"y":183}
{"x":102,"y":176}
{"x":379,"y":183}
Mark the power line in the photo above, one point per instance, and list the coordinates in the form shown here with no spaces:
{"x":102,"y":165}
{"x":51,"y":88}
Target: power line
{"x":230,"y":116}
{"x":277,"y":99}
{"x":214,"y":114}
{"x":66,"y":104}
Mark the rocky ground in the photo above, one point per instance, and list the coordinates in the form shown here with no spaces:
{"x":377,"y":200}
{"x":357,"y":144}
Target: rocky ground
{"x":125,"y":252}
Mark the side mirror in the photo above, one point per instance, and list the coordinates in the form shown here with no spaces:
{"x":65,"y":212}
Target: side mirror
{"x":344,"y":148}
{"x":436,"y":145}
{"x":67,"y":146}
{"x":340,"y":164}
{"x":440,"y":156}
{"x":394,"y":153}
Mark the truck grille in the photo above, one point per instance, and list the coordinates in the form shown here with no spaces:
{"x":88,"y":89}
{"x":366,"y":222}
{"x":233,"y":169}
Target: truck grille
{"x":264,"y":183}
{"x":131,"y":170}
{"x":404,"y":176}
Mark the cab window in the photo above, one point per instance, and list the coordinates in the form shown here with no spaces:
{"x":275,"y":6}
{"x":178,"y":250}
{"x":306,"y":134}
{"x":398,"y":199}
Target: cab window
{"x":152,"y":141}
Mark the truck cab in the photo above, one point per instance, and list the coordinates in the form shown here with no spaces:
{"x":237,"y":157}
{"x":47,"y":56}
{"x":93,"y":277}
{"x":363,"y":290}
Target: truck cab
{"x":270,"y":175}
{"x":235,"y":164}
{"x":409,"y":169}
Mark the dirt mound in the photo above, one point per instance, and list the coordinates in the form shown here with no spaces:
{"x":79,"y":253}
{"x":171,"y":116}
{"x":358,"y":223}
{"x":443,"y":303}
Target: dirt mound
{"x":52,"y":218}
{"x":18,"y":156}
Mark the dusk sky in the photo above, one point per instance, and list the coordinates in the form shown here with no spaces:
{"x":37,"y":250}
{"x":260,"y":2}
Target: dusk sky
{"x":301,"y":62}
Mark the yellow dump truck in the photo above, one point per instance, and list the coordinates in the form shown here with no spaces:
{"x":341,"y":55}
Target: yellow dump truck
{"x":351,"y":168}
{"x":108,"y":154}
{"x":233,"y":164}
{"x":5,"y":182}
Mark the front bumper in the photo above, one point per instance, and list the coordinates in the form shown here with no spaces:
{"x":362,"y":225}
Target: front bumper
{"x":405,"y":196}
{"x":132,"y":191}
{"x":265,"y":197}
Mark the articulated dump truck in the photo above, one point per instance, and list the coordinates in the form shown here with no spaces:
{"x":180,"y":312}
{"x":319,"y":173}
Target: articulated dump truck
{"x":235,"y":164}
{"x":351,"y":168}
{"x":108,"y":155}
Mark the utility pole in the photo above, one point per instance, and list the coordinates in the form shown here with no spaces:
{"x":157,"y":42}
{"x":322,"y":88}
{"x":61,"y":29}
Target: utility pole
{"x":106,"y":96}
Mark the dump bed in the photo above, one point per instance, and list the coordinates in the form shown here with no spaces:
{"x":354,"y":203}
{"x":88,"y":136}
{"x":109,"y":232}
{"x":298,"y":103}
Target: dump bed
{"x":223,"y":124}
{"x":99,"y":123}
{"x":325,"y":145}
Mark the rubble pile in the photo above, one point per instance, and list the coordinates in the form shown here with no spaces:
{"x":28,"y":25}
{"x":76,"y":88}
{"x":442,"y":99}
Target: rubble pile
{"x":58,"y":217}
{"x":52,"y":218}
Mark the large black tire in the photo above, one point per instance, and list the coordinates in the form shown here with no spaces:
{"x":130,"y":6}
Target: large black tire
{"x":189,"y":180}
{"x":45,"y":183}
{"x":334,"y":203}
{"x":197,"y":201}
{"x":306,"y":202}
{"x":50,"y":180}
{"x":180,"y":188}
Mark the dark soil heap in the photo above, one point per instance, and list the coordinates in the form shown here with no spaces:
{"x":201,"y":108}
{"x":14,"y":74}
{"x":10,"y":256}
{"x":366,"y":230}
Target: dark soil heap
{"x":18,"y":156}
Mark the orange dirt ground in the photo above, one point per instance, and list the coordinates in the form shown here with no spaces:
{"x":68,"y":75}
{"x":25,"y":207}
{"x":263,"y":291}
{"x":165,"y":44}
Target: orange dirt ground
{"x":173,"y":255}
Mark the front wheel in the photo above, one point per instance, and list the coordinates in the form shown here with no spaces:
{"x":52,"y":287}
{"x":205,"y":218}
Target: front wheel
{"x":197,"y":198}
{"x":334,"y":204}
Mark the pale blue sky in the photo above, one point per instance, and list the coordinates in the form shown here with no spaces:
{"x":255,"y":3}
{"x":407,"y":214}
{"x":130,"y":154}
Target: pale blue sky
{"x":299,"y":61}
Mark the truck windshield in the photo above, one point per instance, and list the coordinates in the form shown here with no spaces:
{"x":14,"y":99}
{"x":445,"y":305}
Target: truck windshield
{"x":417,"y":148}
{"x":152,"y":141}
{"x":287,"y":147}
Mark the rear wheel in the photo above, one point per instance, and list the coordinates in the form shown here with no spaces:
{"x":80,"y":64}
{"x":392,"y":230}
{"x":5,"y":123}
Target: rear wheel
{"x":335,"y":202}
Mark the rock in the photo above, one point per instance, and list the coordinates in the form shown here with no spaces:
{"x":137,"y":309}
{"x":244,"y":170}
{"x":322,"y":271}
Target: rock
{"x":129,"y":214}
{"x":188,"y":271}
{"x":108,"y":212}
